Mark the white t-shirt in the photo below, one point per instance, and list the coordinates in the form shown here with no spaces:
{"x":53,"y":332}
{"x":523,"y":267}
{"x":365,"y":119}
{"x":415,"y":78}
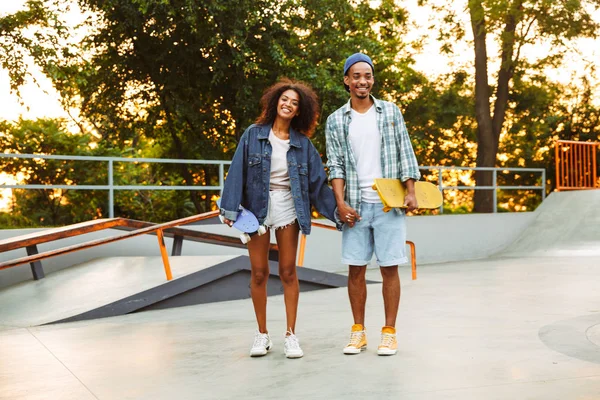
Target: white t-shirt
{"x":280,"y":178}
{"x":365,"y":140}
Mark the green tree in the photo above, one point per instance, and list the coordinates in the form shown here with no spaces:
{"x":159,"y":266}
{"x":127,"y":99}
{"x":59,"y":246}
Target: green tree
{"x":51,"y":207}
{"x":188,"y":74}
{"x":56,"y":207}
{"x":543,"y":112}
{"x":512,"y":25}
{"x":515,"y":23}
{"x":32,"y":33}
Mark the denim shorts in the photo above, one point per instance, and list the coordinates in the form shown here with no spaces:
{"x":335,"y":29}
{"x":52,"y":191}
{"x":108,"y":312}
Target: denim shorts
{"x":282,"y":211}
{"x":384,"y":233}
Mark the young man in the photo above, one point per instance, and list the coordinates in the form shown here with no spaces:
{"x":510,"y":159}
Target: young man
{"x":367,"y":139}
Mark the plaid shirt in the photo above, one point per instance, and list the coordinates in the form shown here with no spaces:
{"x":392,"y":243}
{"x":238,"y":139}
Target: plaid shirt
{"x":397,"y":156}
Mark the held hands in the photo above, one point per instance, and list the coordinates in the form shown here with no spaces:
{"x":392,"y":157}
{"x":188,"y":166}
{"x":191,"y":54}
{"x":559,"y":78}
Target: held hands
{"x":348,"y":214}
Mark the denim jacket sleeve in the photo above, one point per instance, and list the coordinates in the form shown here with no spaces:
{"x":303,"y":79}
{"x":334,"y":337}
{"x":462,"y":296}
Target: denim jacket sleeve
{"x":233,"y":189}
{"x":320,"y":194}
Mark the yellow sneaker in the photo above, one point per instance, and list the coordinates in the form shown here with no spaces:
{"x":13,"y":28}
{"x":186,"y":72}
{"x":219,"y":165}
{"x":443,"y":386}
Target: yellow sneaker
{"x":358,"y":340}
{"x":389,"y":344}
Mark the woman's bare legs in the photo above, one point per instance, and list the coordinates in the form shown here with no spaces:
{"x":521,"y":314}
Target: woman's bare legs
{"x":258,"y":249}
{"x":287,"y":240}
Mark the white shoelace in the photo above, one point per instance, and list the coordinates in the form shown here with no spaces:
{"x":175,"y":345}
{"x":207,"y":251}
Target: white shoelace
{"x":291,"y":341}
{"x":260,"y":340}
{"x":355,"y":338}
{"x":387,"y":339}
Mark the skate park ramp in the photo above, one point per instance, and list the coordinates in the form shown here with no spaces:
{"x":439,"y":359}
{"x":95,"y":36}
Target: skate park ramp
{"x":523,"y":324}
{"x":567,"y":224}
{"x":112,"y":286}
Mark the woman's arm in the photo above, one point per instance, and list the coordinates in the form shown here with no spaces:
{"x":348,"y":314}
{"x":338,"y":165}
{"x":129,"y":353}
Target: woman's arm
{"x":233,"y":189}
{"x":320,"y":194}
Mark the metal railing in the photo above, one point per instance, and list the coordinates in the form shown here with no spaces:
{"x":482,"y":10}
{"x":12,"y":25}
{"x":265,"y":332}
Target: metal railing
{"x":495,"y":187}
{"x":576,"y":166}
{"x":111,"y":187}
{"x":302,"y":248}
{"x":158,"y":229}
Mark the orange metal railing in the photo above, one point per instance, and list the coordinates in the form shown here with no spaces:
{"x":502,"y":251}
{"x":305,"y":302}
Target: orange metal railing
{"x":300,"y":262}
{"x":135,"y":228}
{"x":576,"y":166}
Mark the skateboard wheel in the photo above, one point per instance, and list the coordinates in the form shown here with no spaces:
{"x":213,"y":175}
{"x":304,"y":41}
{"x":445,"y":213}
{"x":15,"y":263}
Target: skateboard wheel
{"x":261,"y":230}
{"x":245,"y":238}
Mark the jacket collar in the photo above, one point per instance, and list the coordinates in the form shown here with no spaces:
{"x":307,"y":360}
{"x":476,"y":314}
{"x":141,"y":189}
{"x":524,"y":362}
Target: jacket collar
{"x":347,"y":108}
{"x":263,"y":134}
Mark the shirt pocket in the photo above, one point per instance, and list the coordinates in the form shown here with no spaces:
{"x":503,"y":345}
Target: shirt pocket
{"x":389,"y":129}
{"x":254,"y":174}
{"x":254,"y":160}
{"x":303,"y":174}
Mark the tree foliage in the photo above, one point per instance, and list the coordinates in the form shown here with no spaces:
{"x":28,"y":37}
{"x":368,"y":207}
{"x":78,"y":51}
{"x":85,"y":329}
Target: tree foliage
{"x":32,"y":33}
{"x":56,"y":207}
{"x":51,"y":207}
{"x":182,"y":79}
{"x":188,"y":74}
{"x":514,"y":27}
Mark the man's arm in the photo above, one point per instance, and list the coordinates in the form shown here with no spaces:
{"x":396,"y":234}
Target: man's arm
{"x":337,"y":173}
{"x":347,"y":213}
{"x":409,"y":168}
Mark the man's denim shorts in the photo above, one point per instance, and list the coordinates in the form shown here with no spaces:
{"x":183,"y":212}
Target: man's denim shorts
{"x":384,"y":233}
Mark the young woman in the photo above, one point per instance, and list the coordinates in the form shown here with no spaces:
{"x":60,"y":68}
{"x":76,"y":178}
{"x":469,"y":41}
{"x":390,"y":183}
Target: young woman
{"x":278,"y":174}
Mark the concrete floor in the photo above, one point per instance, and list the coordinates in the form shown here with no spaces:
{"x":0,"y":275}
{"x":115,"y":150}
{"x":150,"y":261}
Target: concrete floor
{"x":522,"y":325}
{"x":514,"y":328}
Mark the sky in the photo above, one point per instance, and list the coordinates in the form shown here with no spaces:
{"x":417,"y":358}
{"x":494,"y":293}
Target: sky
{"x":42,"y":101}
{"x":37,"y":101}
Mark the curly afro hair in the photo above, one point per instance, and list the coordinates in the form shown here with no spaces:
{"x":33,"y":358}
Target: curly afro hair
{"x":306,"y":121}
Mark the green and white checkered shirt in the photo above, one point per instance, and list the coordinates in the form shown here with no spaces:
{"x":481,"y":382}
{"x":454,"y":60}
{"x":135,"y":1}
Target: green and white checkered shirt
{"x":397,"y":156}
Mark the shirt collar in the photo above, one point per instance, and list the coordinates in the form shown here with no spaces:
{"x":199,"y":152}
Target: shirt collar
{"x":263,"y":134}
{"x":378,"y":105}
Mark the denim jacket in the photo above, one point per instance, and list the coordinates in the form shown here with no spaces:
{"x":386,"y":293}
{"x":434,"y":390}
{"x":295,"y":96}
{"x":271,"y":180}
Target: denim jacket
{"x":249,"y":176}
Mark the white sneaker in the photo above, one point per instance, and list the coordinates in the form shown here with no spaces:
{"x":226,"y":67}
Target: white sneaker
{"x":291,"y":346}
{"x":262,"y":344}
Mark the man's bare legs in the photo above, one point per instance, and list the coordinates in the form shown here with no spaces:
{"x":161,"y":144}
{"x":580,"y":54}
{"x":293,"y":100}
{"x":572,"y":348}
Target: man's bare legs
{"x":357,"y":292}
{"x":391,"y":293}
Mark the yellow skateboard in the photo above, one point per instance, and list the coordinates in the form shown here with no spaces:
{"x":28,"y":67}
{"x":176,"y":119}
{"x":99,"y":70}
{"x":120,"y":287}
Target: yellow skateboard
{"x":392,"y":192}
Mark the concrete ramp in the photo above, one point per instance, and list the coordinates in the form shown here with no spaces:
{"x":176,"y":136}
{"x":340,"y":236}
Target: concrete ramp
{"x":90,"y":285}
{"x":115,"y":286}
{"x":567,"y":224}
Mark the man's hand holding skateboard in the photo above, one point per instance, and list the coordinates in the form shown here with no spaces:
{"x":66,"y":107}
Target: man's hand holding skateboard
{"x":410,"y":200}
{"x":409,"y":195}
